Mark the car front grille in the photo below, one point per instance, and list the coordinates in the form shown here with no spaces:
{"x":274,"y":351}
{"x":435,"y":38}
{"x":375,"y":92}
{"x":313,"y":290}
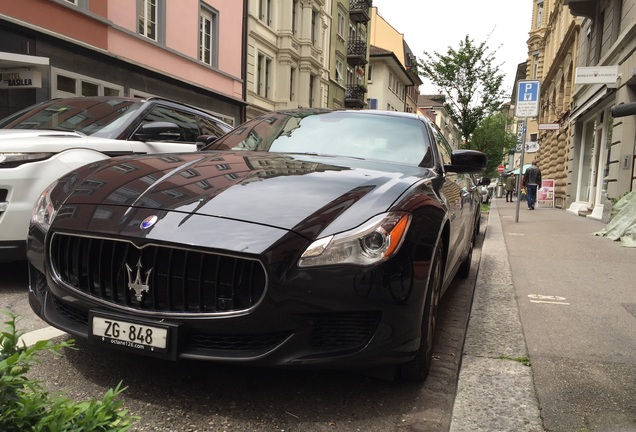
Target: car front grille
{"x":156,"y":278}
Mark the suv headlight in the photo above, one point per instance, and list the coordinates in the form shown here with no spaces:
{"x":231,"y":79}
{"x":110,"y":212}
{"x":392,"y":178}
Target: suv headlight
{"x":44,"y":210}
{"x":373,"y":242}
{"x":11,"y":160}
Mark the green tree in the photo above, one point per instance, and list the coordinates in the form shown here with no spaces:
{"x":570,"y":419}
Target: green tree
{"x":470,"y":80}
{"x":492,"y":138}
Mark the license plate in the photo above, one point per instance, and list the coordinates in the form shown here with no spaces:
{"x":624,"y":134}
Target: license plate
{"x":134,"y":335}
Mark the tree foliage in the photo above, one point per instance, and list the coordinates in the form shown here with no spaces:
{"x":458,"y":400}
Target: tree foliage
{"x":492,"y":138}
{"x":470,"y":80}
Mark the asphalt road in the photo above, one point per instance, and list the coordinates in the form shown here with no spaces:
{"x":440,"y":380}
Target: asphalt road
{"x":195,"y":396}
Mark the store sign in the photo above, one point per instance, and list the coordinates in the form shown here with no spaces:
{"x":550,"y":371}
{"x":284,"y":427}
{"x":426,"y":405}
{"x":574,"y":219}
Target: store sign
{"x":596,"y":75}
{"x":549,"y":126}
{"x":18,"y":79}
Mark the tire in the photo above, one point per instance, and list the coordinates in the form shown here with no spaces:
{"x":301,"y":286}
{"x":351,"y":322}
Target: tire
{"x":418,"y":368}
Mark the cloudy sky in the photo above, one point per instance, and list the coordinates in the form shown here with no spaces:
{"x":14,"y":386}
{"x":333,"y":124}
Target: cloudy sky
{"x":434,"y":25}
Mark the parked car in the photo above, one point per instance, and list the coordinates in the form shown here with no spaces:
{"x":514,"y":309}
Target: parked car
{"x":40,"y":144}
{"x":486,"y":190}
{"x":302,"y":238}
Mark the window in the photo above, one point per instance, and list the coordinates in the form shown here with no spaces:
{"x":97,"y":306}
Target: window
{"x":311,"y":91}
{"x":208,"y":37}
{"x":265,"y":11}
{"x":539,"y":13}
{"x":186,"y":121}
{"x":370,"y":73}
{"x":263,"y":73}
{"x":314,"y":27}
{"x":339,"y":68}
{"x":341,"y":24}
{"x":292,"y":84}
{"x":147,"y":12}
{"x":535,"y":65}
{"x":67,"y":84}
{"x":295,"y":16}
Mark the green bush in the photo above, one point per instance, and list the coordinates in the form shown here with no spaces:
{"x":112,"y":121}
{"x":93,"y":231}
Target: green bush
{"x":26,"y":406}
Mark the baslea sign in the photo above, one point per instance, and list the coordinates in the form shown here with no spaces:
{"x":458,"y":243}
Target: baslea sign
{"x":596,"y":75}
{"x":15,"y":79}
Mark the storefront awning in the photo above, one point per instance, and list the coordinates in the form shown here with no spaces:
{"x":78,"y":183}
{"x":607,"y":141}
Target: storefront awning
{"x":17,"y":61}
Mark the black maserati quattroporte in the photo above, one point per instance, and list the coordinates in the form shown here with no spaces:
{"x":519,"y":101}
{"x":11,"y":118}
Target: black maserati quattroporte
{"x":301,"y":238}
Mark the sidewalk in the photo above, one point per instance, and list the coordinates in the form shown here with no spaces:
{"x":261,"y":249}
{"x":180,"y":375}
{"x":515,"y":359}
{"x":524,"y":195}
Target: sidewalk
{"x":550,"y":290}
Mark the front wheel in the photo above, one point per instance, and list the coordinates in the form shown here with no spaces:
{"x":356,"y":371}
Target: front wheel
{"x":418,"y":368}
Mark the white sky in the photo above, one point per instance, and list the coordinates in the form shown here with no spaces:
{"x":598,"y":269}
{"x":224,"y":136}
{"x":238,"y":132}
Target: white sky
{"x":434,"y":25}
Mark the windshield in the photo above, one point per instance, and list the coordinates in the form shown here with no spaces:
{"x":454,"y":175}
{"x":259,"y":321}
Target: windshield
{"x":100,"y":118}
{"x":339,"y":133}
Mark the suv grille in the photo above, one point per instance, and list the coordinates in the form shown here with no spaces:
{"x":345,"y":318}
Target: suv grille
{"x":157,"y":278}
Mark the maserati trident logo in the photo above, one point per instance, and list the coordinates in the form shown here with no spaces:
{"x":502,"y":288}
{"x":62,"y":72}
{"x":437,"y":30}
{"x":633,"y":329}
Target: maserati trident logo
{"x":138,"y":286}
{"x":148,"y":222}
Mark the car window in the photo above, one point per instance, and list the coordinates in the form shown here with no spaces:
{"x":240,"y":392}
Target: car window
{"x":210,"y":127}
{"x":87,"y":116}
{"x":186,"y":121}
{"x":340,"y":133}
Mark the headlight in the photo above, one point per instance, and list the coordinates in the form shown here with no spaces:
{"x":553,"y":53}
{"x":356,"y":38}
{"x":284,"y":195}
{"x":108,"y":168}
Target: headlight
{"x":11,"y":160}
{"x":375,"y":241}
{"x":44,"y":210}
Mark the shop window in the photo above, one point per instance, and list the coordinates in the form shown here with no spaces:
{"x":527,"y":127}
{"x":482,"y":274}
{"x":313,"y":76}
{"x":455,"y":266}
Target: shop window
{"x":67,"y":84}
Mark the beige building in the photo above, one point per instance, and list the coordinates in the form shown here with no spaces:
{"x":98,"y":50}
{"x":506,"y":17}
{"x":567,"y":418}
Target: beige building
{"x":584,"y":54}
{"x":349,"y":53}
{"x":432,"y":106}
{"x":392,"y":77}
{"x":287,"y":57}
{"x":552,"y":47}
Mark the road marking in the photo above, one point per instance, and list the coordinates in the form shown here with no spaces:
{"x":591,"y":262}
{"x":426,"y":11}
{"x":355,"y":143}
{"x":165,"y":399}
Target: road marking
{"x":549,"y":299}
{"x":45,"y":333}
{"x":517,"y":234}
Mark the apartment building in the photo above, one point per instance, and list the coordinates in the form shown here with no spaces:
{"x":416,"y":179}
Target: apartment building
{"x":287,"y":56}
{"x":552,"y":46}
{"x":349,"y":53}
{"x":57,"y":48}
{"x":584,"y":54}
{"x":392,"y":69}
{"x":602,"y":151}
{"x":432,"y":106}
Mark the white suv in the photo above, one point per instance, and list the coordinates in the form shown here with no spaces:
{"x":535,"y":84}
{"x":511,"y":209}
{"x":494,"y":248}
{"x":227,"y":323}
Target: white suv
{"x":44,"y":142}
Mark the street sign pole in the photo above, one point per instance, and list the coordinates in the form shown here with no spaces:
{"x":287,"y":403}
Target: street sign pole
{"x":527,"y":106}
{"x":523,"y":153}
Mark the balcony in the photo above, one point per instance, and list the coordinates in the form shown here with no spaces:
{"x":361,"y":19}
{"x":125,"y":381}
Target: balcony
{"x":354,"y":96}
{"x":357,"y":52}
{"x":359,"y":11}
{"x":584,"y":8}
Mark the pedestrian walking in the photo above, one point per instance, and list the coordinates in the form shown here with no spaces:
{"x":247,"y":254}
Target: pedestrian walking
{"x":531,"y":180}
{"x":511,"y":184}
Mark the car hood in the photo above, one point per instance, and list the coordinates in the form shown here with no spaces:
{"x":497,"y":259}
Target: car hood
{"x":300,"y":193}
{"x":36,"y":140}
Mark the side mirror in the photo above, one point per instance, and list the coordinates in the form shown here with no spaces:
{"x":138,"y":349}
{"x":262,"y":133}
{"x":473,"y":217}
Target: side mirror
{"x":158,"y":131}
{"x":467,"y":162}
{"x":205,"y":140}
{"x":484,"y":181}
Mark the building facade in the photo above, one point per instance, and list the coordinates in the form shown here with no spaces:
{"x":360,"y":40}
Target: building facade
{"x":349,"y":53}
{"x":602,"y":148}
{"x":287,"y":55}
{"x":553,"y":46}
{"x":58,"y":48}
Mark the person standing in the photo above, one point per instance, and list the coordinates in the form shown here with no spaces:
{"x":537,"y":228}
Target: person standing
{"x":531,"y":180}
{"x":511,"y":183}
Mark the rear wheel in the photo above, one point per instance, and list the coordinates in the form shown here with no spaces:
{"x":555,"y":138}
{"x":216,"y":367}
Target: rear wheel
{"x":418,"y":368}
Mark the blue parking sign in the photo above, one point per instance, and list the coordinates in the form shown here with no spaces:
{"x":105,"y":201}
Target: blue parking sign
{"x":527,"y":104}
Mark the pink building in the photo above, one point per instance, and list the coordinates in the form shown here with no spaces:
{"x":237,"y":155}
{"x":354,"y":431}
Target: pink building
{"x":173,"y":49}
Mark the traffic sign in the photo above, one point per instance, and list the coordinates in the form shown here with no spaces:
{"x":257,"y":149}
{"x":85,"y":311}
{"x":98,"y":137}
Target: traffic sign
{"x":527,"y":104}
{"x":500,"y":169}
